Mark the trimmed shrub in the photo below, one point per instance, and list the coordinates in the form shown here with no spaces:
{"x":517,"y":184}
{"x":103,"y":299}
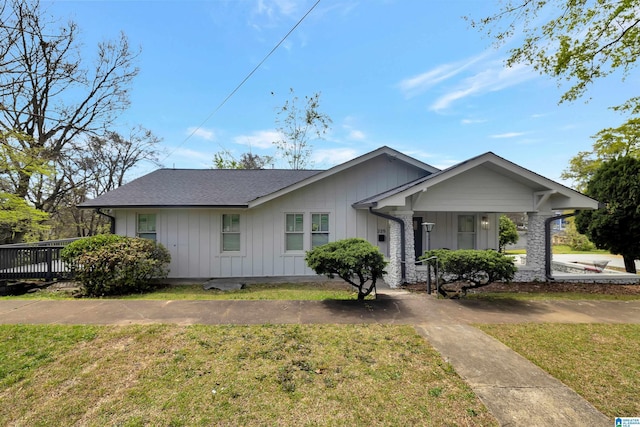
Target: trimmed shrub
{"x":477,"y":268}
{"x":87,"y":244}
{"x":354,"y":260}
{"x":118,"y":266}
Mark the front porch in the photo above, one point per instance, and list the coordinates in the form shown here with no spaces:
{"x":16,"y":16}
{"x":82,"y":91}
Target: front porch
{"x":479,"y":230}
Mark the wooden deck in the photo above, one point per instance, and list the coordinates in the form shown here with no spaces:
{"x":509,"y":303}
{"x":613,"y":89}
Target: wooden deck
{"x":33,"y":261}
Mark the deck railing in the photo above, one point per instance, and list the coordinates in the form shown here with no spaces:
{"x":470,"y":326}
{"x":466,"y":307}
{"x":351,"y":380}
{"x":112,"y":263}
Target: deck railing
{"x":40,"y":260}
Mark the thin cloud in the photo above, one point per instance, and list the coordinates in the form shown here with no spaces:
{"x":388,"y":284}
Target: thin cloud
{"x":333,"y":156}
{"x":418,"y":154}
{"x":206,"y":134}
{"x":200,"y":158}
{"x":472,"y":121}
{"x":415,"y":85}
{"x":270,"y":13}
{"x":494,"y":77}
{"x":506,"y":135}
{"x":258,"y":139}
{"x":357,"y":135}
{"x":353,"y":133}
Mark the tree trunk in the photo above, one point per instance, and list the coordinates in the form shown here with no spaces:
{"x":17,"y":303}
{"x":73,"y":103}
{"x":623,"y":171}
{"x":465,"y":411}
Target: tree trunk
{"x":629,"y":264}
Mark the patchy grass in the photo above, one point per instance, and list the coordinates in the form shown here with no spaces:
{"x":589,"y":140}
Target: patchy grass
{"x":558,"y":249}
{"x":600,"y":362}
{"x":316,"y":291}
{"x":230,"y":375}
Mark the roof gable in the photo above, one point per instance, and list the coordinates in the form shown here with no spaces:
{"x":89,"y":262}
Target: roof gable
{"x":563,"y":197}
{"x":382,"y":151}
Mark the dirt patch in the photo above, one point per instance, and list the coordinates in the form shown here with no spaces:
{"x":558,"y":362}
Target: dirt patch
{"x":544,"y":287}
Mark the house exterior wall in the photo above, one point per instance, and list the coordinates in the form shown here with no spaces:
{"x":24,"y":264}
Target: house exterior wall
{"x":193,"y":235}
{"x":445,"y":231}
{"x":479,"y":189}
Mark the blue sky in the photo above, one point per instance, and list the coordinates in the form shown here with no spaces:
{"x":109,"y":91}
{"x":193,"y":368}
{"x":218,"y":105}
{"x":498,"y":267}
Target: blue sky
{"x":409,"y":74}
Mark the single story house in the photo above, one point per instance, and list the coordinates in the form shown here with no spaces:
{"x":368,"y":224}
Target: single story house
{"x":255,"y":223}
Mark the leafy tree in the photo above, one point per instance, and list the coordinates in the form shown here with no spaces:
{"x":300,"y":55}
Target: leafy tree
{"x":477,"y":268}
{"x":583,"y":41}
{"x":19,"y":220}
{"x":616,"y":227}
{"x":50,"y":95}
{"x":296,"y":126}
{"x":226,"y":160}
{"x":17,"y":217}
{"x":508,"y":232}
{"x":354,"y":260}
{"x":610,"y":144}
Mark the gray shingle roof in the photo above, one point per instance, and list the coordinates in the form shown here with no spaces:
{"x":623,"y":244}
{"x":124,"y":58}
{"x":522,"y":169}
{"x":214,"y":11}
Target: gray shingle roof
{"x":199,"y":187}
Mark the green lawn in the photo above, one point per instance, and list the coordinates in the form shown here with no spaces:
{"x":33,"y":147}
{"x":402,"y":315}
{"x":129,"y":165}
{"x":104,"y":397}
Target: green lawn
{"x":600,"y":362}
{"x":558,"y":249}
{"x":169,"y":375}
{"x":316,"y":291}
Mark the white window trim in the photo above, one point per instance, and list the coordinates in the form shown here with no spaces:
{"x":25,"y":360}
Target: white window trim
{"x":154,"y":232}
{"x":287,"y":232}
{"x":328,"y":232}
{"x":239,"y":233}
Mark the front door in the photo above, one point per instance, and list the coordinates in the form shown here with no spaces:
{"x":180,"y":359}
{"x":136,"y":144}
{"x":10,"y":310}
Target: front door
{"x":417,"y":236}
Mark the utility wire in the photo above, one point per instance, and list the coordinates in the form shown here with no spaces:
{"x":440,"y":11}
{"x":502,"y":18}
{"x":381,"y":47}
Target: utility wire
{"x":242,"y":82}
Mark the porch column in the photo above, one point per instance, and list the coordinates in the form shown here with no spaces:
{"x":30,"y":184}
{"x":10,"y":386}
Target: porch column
{"x":394,"y":269}
{"x":536,"y":243}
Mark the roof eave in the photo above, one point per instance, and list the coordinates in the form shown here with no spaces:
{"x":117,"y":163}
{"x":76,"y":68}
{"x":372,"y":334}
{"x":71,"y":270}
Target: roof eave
{"x":161,"y":206}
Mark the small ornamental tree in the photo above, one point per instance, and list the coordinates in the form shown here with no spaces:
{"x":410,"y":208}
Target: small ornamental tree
{"x":116,"y":265}
{"x":354,"y":260}
{"x":508,"y":232}
{"x":475,"y":268}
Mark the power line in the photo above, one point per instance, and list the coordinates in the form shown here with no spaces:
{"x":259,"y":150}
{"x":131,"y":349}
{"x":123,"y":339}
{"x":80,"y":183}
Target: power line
{"x":224,"y":101}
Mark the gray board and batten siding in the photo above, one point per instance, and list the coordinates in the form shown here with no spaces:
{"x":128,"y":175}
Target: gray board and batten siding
{"x":192,"y":234}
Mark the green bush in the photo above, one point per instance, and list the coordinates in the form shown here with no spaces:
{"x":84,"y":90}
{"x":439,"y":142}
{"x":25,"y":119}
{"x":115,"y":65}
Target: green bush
{"x":475,"y":267}
{"x":577,"y":241}
{"x":88,"y":244}
{"x":354,"y":260}
{"x":508,"y":232}
{"x":117,"y":266}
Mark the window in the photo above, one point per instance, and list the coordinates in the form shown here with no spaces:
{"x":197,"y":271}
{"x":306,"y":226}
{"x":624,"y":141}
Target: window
{"x":230,"y":232}
{"x":146,"y":226}
{"x":319,"y":229}
{"x":294,"y":232}
{"x":466,"y":231}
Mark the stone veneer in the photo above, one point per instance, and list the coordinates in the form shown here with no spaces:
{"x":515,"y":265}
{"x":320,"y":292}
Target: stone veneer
{"x":394,"y":270}
{"x":535,"y":267}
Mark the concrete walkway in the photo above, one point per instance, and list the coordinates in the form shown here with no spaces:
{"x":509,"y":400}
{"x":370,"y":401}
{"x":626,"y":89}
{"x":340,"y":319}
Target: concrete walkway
{"x":515,"y":391}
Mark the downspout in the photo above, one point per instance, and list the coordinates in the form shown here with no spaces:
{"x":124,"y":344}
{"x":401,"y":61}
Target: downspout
{"x":547,"y":241}
{"x":403,"y":250}
{"x":112,"y":220}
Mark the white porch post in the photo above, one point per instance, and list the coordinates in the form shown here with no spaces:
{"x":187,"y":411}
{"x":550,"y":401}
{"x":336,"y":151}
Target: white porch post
{"x":536,"y":243}
{"x":394,"y":270}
